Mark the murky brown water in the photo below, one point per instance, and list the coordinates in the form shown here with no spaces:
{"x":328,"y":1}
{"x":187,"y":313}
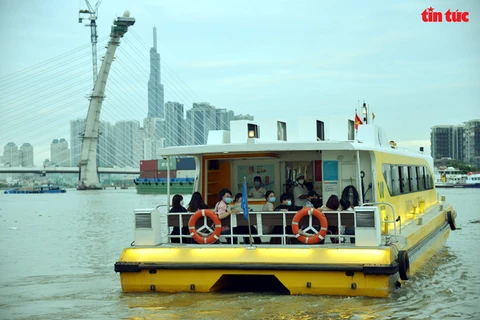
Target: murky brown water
{"x":58,"y":251}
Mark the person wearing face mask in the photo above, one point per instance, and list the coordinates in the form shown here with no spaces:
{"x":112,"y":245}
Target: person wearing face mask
{"x":257,"y":191}
{"x":221,"y":208}
{"x":270,"y":197}
{"x":177,"y":206}
{"x":285,"y":203}
{"x":300,"y":192}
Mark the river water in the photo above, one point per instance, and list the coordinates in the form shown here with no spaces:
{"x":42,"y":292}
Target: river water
{"x":58,"y":251}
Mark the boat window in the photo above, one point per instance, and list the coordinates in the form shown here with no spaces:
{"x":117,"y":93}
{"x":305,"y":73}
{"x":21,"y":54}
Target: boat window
{"x":320,"y":131}
{"x":413,"y":178}
{"x":387,"y":175}
{"x":421,"y":178}
{"x":428,"y":179}
{"x":404,"y":185}
{"x":395,"y":180}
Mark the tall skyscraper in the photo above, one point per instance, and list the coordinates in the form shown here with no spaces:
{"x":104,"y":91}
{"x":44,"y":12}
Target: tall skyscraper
{"x":106,"y":145}
{"x":471,"y":135}
{"x":200,"y":120}
{"x":77,"y":130}
{"x":224,"y":117}
{"x":26,"y":155}
{"x":174,"y":124}
{"x":442,"y":142}
{"x":155,"y":87}
{"x":128,"y":143}
{"x":11,"y":156}
{"x":59,"y":153}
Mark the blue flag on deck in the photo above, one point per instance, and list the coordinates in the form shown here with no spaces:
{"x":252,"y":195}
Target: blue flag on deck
{"x":244,"y":204}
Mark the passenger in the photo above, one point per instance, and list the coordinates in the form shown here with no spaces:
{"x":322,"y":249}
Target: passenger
{"x":270,"y":197}
{"x":257,"y":191}
{"x":300,"y":192}
{"x":177,"y":206}
{"x":221,"y":209}
{"x":332,"y":204}
{"x":345,"y":204}
{"x":311,"y":195}
{"x":196,"y":203}
{"x":237,"y":204}
{"x":316,"y":202}
{"x":285,"y":203}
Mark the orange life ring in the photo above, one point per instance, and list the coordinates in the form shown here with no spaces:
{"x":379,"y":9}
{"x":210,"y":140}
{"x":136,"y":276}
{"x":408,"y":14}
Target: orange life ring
{"x":320,"y":235}
{"x":214,"y":235}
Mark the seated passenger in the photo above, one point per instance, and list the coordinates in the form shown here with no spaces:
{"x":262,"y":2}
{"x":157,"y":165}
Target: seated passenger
{"x":345,"y":204}
{"x":270,"y":197}
{"x":311,"y":195}
{"x":221,"y":209}
{"x":285,"y":203}
{"x":332,"y":204}
{"x":237,"y":204}
{"x":257,"y":191}
{"x":196,"y":203}
{"x":177,"y":206}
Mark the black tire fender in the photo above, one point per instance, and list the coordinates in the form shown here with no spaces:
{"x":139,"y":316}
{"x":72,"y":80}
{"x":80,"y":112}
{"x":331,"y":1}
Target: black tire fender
{"x":403,"y":265}
{"x":451,"y":220}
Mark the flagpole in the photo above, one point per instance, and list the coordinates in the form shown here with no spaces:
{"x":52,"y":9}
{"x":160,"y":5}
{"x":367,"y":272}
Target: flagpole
{"x":248,"y":214}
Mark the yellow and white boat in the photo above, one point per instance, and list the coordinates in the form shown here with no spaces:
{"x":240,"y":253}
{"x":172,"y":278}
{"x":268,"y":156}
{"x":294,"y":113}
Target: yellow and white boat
{"x":397,"y":225}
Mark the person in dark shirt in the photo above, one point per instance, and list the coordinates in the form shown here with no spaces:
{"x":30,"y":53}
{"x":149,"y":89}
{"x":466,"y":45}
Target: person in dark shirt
{"x":196,"y":203}
{"x":285,"y":203}
{"x":177,"y":206}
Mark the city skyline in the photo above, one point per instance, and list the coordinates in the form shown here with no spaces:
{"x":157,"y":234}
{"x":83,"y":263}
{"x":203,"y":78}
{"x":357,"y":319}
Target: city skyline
{"x":267,"y":61}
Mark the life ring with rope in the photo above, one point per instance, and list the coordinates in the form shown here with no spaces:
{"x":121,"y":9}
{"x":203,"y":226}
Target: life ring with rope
{"x":319,"y":234}
{"x":213,"y":235}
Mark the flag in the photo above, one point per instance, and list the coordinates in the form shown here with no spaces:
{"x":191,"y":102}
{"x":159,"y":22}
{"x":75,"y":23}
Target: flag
{"x":244,"y":204}
{"x":357,"y":121}
{"x":373,"y":115}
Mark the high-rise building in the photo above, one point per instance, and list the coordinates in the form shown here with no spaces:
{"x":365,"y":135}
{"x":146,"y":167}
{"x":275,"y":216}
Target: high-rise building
{"x":11,"y":156}
{"x":224,"y":117}
{"x":26,"y":155}
{"x":174,"y":124}
{"x":471,"y":136}
{"x":128,"y":143}
{"x":200,"y":120}
{"x":106,"y":145}
{"x":442,"y":141}
{"x":77,"y":130}
{"x":59,"y":153}
{"x":155,"y":87}
{"x":243,"y":117}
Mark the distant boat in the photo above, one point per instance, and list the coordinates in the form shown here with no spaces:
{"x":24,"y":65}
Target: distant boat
{"x":42,"y":189}
{"x":473,"y":180}
{"x":449,"y":178}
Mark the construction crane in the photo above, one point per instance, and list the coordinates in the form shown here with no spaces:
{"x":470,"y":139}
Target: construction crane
{"x":93,"y":30}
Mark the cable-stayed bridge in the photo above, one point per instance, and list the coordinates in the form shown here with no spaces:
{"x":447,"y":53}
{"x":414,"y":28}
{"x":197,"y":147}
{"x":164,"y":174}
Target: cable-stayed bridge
{"x":48,"y":101}
{"x":45,"y":170}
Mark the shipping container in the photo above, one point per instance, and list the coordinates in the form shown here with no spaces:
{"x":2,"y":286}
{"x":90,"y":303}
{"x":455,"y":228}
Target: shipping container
{"x":148,"y":174}
{"x":163,"y":174}
{"x":185,"y":164}
{"x":162,"y":164}
{"x":148,"y":165}
{"x":185,"y":173}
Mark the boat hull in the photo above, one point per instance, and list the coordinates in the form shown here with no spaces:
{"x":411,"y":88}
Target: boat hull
{"x":374,"y":275}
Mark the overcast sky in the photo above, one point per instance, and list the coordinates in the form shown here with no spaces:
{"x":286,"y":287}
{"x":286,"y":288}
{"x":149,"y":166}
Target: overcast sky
{"x":270,"y":58}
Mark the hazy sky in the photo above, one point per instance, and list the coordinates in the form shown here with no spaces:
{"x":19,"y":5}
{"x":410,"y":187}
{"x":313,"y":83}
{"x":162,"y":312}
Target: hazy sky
{"x":266,"y":58}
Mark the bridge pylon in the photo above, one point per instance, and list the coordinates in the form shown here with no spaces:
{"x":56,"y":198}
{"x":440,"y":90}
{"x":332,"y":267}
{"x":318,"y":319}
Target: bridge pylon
{"x":88,"y":177}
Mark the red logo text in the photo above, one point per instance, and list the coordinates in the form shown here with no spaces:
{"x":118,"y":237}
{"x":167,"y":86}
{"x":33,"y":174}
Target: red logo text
{"x":429,"y":15}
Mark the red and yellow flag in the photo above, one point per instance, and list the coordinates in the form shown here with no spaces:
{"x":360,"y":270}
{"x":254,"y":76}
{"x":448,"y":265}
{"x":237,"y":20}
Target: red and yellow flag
{"x":357,"y":121}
